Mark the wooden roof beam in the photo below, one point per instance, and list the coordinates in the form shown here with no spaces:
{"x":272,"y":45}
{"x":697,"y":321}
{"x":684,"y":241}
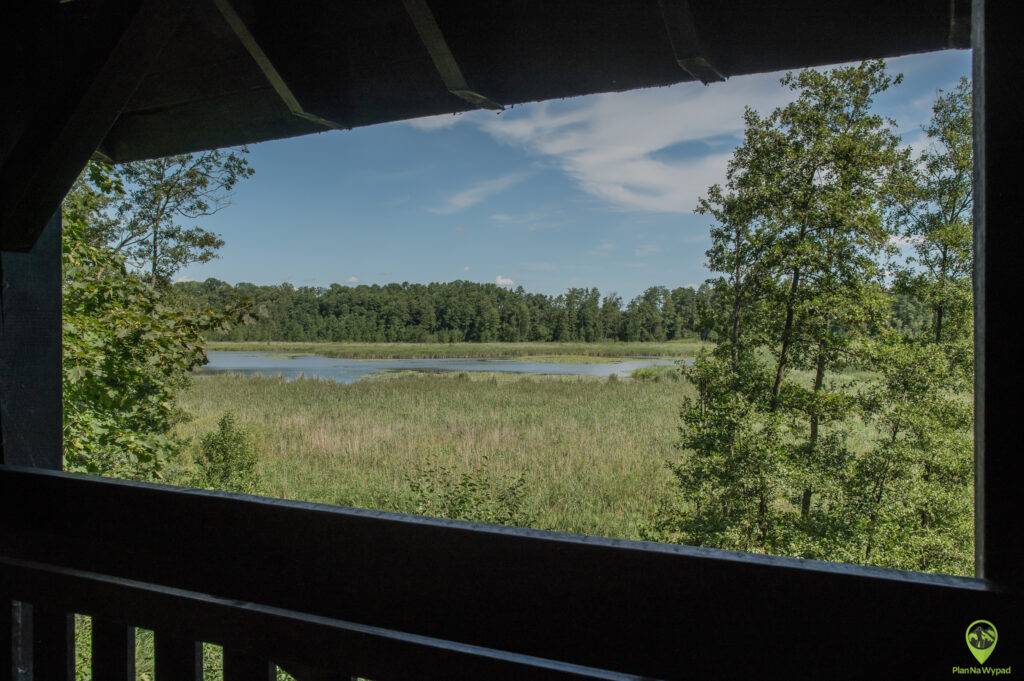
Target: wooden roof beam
{"x":74,"y":99}
{"x":271,"y":73}
{"x":433,"y":39}
{"x":685,"y":42}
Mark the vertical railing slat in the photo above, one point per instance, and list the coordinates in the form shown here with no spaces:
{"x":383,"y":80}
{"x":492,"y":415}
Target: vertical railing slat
{"x":113,"y":651}
{"x":6,"y":638}
{"x":176,"y":658}
{"x":53,"y":645}
{"x":240,"y":666}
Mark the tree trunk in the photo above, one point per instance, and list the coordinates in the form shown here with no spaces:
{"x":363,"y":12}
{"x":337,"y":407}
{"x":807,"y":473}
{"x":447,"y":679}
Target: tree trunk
{"x":812,"y":442}
{"x":787,"y":338}
{"x":156,"y":252}
{"x":940,"y":307}
{"x":736,"y":302}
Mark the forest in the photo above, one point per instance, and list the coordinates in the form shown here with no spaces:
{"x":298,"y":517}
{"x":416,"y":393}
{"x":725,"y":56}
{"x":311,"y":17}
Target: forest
{"x":449,"y":312}
{"x":466,"y":311}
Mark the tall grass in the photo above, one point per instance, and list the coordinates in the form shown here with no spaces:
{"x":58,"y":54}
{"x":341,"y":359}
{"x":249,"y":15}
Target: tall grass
{"x":609,"y":349}
{"x":592,"y":452}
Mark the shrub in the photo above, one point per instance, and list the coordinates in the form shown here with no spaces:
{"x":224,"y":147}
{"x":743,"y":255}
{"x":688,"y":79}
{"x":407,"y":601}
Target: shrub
{"x":227,"y":458}
{"x":474,"y":495}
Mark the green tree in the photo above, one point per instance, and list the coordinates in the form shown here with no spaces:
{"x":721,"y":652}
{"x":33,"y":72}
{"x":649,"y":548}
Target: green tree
{"x":940,"y":225}
{"x":128,"y":349}
{"x":148,"y":201}
{"x":909,"y":498}
{"x":802,"y":231}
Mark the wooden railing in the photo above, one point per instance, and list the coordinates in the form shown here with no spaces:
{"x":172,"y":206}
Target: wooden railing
{"x":331,"y":593}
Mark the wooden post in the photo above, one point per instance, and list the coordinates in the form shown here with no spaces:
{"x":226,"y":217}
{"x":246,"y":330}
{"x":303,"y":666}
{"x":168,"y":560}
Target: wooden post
{"x":30,"y":353}
{"x":30,"y":382}
{"x":998,"y":253}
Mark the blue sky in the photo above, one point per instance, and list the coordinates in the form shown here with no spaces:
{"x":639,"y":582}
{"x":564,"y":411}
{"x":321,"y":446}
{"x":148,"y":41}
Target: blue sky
{"x":592,"y":191}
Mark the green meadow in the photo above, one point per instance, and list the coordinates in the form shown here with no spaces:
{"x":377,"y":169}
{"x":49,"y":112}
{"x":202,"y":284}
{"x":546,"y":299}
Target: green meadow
{"x":591,"y":452}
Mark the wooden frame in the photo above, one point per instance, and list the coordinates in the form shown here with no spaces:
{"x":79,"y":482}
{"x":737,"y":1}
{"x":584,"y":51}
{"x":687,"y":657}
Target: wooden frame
{"x":336,"y":592}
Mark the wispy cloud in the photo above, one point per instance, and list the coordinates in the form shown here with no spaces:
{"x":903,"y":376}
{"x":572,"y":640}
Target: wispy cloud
{"x":507,"y":282}
{"x":658,"y":149}
{"x":477,"y":193}
{"x":609,"y":144}
{"x":643,"y":250}
{"x":353,"y":279}
{"x":534,"y":220}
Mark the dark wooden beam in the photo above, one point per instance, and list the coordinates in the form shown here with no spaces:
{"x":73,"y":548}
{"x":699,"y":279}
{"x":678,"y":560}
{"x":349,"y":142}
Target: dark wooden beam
{"x":271,"y":73}
{"x":328,"y":643}
{"x":998,"y":290}
{"x":103,"y":51}
{"x":30,"y":353}
{"x":445,"y":62}
{"x":633,"y":607}
{"x":685,"y":42}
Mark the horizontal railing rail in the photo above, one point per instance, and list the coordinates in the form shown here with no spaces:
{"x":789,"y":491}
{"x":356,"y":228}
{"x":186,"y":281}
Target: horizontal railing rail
{"x":385,"y":595}
{"x":249,"y":631}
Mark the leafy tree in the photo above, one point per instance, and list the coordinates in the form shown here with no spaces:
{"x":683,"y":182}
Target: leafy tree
{"x":128,"y":349}
{"x":146,"y":202}
{"x":940,"y":226}
{"x":814,"y":195}
{"x":909,"y":497}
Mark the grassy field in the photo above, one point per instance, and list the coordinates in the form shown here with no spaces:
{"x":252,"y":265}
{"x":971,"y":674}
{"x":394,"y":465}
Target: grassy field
{"x":591,"y":451}
{"x":537,"y":351}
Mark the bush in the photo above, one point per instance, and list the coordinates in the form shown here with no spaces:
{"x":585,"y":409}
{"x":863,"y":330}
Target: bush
{"x":656,"y":374}
{"x":227,"y":458}
{"x":474,"y":495}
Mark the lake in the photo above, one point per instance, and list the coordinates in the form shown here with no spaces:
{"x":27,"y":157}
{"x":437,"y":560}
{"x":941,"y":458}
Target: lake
{"x":349,"y":370}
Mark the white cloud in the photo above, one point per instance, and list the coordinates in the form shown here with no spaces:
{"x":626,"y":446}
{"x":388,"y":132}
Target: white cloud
{"x":644,"y":250}
{"x":353,"y":279}
{"x":609,"y":143}
{"x":504,"y":281}
{"x":466,"y":268}
{"x":478,"y":192}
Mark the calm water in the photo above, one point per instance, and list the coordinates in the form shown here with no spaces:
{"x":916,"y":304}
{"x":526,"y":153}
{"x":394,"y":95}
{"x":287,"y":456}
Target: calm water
{"x":349,"y":370}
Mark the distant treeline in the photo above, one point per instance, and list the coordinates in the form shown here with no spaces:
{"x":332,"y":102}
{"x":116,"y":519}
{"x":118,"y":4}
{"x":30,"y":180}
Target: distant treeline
{"x":450,"y":312}
{"x":469,"y":311}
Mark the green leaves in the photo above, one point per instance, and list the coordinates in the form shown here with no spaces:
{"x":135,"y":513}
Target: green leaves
{"x":781,"y":452}
{"x":127,"y":350}
{"x":473,"y":495}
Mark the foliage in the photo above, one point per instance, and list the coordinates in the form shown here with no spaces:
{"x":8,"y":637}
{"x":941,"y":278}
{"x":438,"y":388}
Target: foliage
{"x":939,"y":222}
{"x":127,"y":349}
{"x":655,"y":373}
{"x":226,"y":459}
{"x":909,"y":497}
{"x":781,"y":454}
{"x":731,"y":482}
{"x":147,"y":200}
{"x":458,"y":311}
{"x":475,"y":495}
